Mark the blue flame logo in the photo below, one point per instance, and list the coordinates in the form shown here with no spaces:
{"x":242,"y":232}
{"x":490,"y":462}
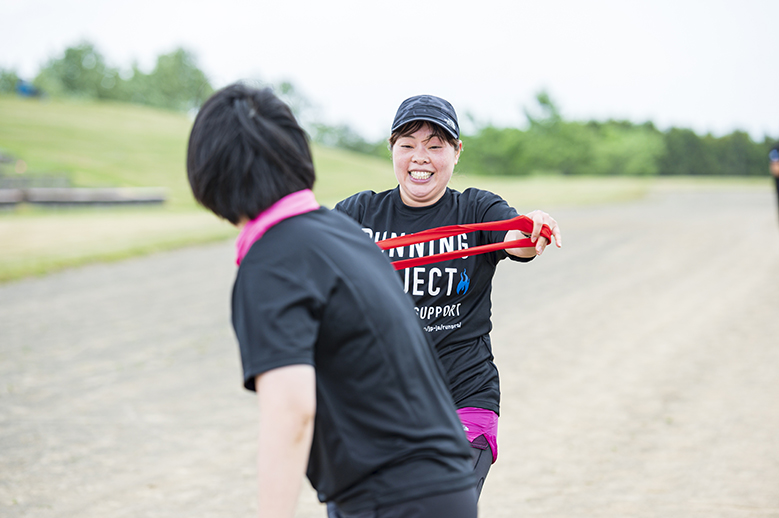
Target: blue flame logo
{"x":465,"y":281}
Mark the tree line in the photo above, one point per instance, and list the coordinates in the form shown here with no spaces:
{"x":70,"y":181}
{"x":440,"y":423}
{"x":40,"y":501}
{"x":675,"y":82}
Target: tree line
{"x":175,"y":82}
{"x":549,"y":144}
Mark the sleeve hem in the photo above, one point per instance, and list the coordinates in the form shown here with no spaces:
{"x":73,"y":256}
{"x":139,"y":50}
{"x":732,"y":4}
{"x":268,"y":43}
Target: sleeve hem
{"x":251,"y":373}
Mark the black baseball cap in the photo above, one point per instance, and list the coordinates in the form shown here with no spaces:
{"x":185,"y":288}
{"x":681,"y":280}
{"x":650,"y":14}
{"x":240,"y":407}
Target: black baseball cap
{"x":427,"y":108}
{"x":773,"y":155}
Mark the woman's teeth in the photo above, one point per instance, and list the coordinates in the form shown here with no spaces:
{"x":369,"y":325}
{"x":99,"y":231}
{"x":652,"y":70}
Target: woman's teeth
{"x":420,"y":175}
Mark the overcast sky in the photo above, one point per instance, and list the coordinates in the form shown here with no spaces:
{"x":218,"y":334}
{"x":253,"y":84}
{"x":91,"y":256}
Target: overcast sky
{"x":706,"y":65}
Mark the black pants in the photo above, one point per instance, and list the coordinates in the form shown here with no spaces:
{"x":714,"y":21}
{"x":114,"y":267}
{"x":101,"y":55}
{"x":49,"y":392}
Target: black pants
{"x":482,"y":461}
{"x":460,"y":504}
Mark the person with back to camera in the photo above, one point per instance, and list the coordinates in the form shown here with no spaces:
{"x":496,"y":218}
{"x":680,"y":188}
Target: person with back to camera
{"x":349,"y":390}
{"x":452,"y":297}
{"x":773,"y":157}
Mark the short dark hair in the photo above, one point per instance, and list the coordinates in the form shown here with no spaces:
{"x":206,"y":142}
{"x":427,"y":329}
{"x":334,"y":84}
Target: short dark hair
{"x":412,"y":127}
{"x":246,"y":151}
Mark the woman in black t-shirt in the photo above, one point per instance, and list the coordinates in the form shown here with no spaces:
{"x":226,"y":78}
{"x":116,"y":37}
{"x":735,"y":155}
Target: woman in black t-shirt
{"x":349,"y":391}
{"x":452,"y":297}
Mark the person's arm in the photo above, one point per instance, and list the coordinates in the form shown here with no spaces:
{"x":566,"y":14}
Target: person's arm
{"x":539,"y":218}
{"x":287,"y":400}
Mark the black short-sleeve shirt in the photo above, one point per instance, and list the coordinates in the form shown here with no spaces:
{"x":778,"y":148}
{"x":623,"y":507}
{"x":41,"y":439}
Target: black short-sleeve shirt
{"x":315,"y":290}
{"x":453,"y":298}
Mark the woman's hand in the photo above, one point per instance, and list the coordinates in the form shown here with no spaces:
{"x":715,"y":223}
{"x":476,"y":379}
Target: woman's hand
{"x":540,"y":218}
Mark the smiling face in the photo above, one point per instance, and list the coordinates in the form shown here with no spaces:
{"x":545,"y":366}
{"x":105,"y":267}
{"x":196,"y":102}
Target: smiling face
{"x":423,"y":165}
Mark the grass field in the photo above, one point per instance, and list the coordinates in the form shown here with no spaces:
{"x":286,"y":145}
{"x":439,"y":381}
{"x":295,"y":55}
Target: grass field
{"x":120,"y":145}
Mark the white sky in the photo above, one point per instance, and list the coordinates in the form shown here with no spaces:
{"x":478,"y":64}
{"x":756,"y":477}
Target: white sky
{"x":706,"y":65}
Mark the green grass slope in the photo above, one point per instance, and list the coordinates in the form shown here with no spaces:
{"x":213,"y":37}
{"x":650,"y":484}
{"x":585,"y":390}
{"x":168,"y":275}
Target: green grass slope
{"x":121,"y":145}
{"x":99,"y":144}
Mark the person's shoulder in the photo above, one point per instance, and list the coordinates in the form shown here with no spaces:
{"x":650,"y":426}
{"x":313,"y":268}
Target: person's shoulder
{"x":474,"y":194}
{"x":363,"y":197}
{"x":295,"y":245}
{"x":486,"y":205}
{"x":290,"y":239}
{"x":479,"y":198}
{"x":356,"y":204}
{"x":315,"y":226}
{"x":325,"y":219}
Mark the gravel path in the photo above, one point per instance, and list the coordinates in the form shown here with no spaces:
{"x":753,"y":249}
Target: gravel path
{"x":638,"y":365}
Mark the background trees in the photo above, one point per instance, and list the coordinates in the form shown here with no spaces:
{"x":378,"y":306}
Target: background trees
{"x":175,"y":82}
{"x":551,"y":144}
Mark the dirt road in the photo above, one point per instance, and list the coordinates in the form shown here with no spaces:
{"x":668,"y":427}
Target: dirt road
{"x":639,"y":368}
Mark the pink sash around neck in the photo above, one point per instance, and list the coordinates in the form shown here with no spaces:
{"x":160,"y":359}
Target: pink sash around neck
{"x":290,"y":205}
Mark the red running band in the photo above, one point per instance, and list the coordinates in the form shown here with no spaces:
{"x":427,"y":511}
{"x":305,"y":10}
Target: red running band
{"x":521,"y":223}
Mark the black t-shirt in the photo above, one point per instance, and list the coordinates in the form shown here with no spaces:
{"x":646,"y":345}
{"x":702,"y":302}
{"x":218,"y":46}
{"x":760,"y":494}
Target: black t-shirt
{"x":452,"y":297}
{"x":314,"y":290}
